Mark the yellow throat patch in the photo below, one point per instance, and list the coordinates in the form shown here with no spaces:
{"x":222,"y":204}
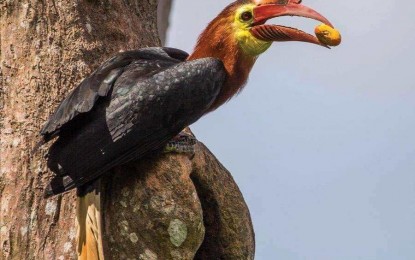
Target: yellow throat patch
{"x":248,"y":43}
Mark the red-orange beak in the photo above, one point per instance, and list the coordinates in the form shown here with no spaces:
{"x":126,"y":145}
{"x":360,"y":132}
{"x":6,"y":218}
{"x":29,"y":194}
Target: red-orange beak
{"x":268,"y":9}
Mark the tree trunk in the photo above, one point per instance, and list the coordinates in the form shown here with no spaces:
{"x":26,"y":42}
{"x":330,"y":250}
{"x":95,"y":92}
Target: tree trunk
{"x":47,"y":47}
{"x":163,"y":19}
{"x":156,"y":208}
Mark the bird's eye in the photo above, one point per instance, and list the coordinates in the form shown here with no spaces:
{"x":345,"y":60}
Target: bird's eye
{"x":246,"y":16}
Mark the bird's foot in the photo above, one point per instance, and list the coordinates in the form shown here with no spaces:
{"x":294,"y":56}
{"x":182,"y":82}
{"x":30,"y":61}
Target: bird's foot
{"x":182,"y":143}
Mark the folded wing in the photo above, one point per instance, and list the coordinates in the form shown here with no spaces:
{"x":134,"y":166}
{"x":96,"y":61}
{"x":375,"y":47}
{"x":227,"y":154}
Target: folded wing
{"x":148,"y":102}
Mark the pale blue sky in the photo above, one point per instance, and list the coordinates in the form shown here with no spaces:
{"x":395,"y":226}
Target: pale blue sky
{"x":322,"y":142}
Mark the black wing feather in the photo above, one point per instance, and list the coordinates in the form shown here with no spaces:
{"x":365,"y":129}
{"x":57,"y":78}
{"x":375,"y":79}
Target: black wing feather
{"x":145,"y":110}
{"x":83,"y":98}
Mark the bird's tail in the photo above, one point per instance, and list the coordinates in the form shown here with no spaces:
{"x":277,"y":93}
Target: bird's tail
{"x":89,"y":218}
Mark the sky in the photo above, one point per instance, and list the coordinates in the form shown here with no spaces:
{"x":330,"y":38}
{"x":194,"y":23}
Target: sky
{"x":322,"y":142}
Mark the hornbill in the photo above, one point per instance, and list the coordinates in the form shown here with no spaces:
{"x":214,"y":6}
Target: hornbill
{"x":137,"y":101}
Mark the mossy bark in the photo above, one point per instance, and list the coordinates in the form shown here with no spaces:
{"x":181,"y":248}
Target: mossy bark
{"x":175,"y":206}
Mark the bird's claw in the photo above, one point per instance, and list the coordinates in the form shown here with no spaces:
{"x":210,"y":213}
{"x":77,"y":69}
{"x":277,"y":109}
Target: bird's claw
{"x":182,"y":143}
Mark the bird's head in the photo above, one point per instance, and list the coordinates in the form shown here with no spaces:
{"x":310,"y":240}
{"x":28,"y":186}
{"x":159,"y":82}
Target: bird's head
{"x":243,"y":23}
{"x":254,"y":36}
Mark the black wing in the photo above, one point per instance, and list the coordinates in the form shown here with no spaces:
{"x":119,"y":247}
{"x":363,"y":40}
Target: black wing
{"x":83,"y":98}
{"x":140,"y":116}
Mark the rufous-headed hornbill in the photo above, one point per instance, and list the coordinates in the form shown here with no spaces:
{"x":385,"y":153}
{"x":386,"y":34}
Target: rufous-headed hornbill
{"x":137,"y":101}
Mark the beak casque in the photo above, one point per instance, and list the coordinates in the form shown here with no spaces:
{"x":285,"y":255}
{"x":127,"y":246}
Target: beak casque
{"x":267,"y":9}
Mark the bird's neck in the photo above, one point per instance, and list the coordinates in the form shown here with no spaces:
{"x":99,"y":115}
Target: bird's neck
{"x":220,"y":44}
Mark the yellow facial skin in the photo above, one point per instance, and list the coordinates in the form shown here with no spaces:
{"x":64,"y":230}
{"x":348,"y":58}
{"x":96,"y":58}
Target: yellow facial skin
{"x":328,"y":35}
{"x":248,"y":43}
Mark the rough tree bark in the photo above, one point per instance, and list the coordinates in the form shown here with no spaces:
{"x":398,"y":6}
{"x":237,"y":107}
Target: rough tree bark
{"x":163,"y":19}
{"x":163,"y":207}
